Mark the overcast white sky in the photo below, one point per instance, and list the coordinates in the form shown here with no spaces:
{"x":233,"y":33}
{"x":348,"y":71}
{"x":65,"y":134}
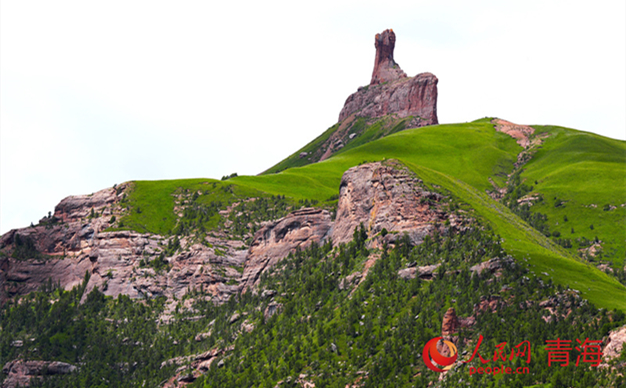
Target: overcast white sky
{"x":98,"y":93}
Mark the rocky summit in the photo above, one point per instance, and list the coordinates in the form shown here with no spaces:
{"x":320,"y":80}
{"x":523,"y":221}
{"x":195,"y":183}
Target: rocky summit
{"x":385,"y":68}
{"x":392,"y":92}
{"x":392,"y":102}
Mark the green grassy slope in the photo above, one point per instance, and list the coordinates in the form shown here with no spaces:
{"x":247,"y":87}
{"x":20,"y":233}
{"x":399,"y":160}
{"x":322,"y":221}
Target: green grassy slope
{"x":543,"y":257}
{"x":294,"y":159}
{"x":461,"y":158}
{"x":152,"y":202}
{"x":582,"y":177}
{"x":472,"y":152}
{"x":352,"y":132}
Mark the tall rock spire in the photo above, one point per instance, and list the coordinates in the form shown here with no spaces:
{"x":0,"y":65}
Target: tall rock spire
{"x":392,"y":92}
{"x":385,"y":68}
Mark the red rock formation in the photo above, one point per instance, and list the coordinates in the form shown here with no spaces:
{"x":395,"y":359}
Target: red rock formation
{"x":415,"y":96}
{"x":381,"y":195}
{"x":449,"y":327}
{"x":75,"y":242}
{"x":391,"y":92}
{"x":488,"y":304}
{"x":277,"y":239}
{"x":385,"y":68}
{"x":450,"y":323}
{"x":384,"y":195}
{"x":521,"y":133}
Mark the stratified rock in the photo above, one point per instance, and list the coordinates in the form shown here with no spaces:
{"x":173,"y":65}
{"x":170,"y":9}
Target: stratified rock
{"x":20,"y":372}
{"x":277,"y":239}
{"x":385,"y":68}
{"x":391,"y":92}
{"x":384,"y":196}
{"x":80,"y":206}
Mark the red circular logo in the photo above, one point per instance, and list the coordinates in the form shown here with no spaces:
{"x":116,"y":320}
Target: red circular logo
{"x":431,"y":354}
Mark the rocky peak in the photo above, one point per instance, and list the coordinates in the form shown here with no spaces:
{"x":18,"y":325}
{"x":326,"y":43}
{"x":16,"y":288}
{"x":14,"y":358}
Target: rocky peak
{"x":392,"y":92}
{"x":385,"y":68}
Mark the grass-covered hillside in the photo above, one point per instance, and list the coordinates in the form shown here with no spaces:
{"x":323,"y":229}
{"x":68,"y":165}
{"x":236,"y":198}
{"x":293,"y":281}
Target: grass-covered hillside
{"x":582,"y":177}
{"x":341,"y":137}
{"x":352,"y":314}
{"x":570,"y":172}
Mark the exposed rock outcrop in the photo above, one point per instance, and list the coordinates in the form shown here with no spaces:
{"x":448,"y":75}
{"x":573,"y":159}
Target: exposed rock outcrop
{"x":450,"y":323}
{"x":277,"y":239}
{"x":415,"y":96}
{"x":425,"y":272}
{"x":20,"y":372}
{"x":522,"y":133}
{"x":391,"y":92}
{"x":488,"y":304}
{"x":615,"y":344}
{"x":385,"y":196}
{"x":73,"y":243}
{"x":192,"y":366}
{"x":449,"y":327}
{"x":385,"y":68}
{"x":494,"y":265}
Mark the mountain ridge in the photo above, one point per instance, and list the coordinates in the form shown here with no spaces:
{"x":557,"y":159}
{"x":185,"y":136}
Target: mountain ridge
{"x":381,"y":229}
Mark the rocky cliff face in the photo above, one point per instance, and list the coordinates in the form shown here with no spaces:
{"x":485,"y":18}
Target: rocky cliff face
{"x":73,"y":242}
{"x":278,"y":238}
{"x":384,"y":197}
{"x":614,"y":345}
{"x":391,"y":92}
{"x":380,"y":196}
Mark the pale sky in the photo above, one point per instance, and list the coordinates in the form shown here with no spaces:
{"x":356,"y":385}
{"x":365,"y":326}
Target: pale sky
{"x":98,"y":93}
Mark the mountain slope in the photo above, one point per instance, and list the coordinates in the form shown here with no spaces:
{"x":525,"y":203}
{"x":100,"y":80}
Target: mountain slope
{"x":583,"y":181}
{"x":461,"y":158}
